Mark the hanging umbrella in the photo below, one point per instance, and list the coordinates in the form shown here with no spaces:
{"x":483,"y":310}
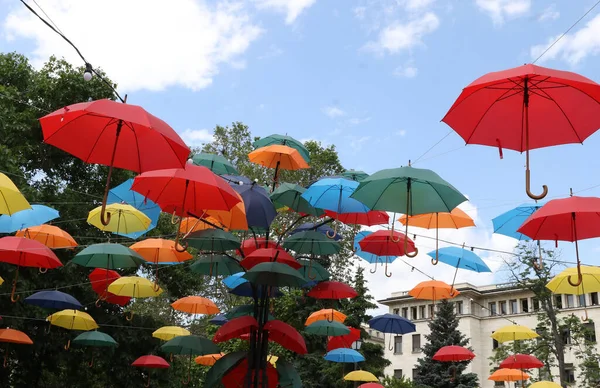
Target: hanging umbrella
{"x":159,"y":251}
{"x":23,"y":252}
{"x":288,"y":376}
{"x":355,"y":175}
{"x":190,"y":345}
{"x":392,"y":324}
{"x":11,"y":336}
{"x":11,"y":199}
{"x":222,"y":366}
{"x":514,"y":333}
{"x":260,"y":211}
{"x":167,"y":333}
{"x":274,"y":275}
{"x":116,"y":135}
{"x":360,"y":375}
{"x":124,"y":195}
{"x":278,"y":157}
{"x":209,"y":359}
{"x":371,"y":385}
{"x":285,"y":141}
{"x":51,"y":236}
{"x":329,"y":315}
{"x":95,"y":339}
{"x":433,"y":290}
{"x":191,"y":224}
{"x":215,"y":163}
{"x":590,"y":278}
{"x":545,"y":384}
{"x":370,"y":218}
{"x":100,"y":279}
{"x":456,"y":219}
{"x":240,"y":311}
{"x":290,"y":195}
{"x":311,"y":243}
{"x":269,"y":255}
{"x":508,"y":375}
{"x":31,"y":216}
{"x":151,"y":361}
{"x":234,"y":219}
{"x":286,"y":336}
{"x":332,"y":290}
{"x":382,"y":243}
{"x":344,"y":355}
{"x":239,"y":375}
{"x":54,"y":300}
{"x":327,"y":328}
{"x":334,"y":194}
{"x":213,"y":240}
{"x":459,"y":258}
{"x":318,"y":227}
{"x":369,"y":257}
{"x":134,"y":287}
{"x":125,"y":219}
{"x":453,"y":353}
{"x":344,"y":341}
{"x":521,"y":361}
{"x":235,"y":328}
{"x":408,"y":190}
{"x":246,"y":289}
{"x":234,"y":280}
{"x":251,"y":244}
{"x":218,"y":320}
{"x":196,"y":305}
{"x":313,"y":272}
{"x":108,"y":256}
{"x":525,"y":108}
{"x":216,"y":265}
{"x":72,"y":320}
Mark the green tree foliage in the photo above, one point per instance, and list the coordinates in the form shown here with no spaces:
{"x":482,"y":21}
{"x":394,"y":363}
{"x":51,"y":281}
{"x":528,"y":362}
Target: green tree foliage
{"x":444,"y":332}
{"x":394,"y":382}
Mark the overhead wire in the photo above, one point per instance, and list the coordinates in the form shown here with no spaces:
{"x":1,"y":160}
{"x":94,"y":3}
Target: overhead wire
{"x":432,"y":147}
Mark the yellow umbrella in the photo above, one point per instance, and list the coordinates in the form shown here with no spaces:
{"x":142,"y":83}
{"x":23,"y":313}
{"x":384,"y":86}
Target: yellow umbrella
{"x":514,"y":333}
{"x":167,"y":333}
{"x":360,"y":375}
{"x":590,"y":282}
{"x":134,"y":287}
{"x":1,"y":280}
{"x":124,"y":219}
{"x":11,"y":199}
{"x":545,"y":384}
{"x":272,"y":360}
{"x":72,"y":320}
{"x":325,"y":314}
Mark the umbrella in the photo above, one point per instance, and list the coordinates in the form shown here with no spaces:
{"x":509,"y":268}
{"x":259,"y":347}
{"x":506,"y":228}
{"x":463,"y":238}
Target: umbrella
{"x":108,"y":256}
{"x":260,"y":211}
{"x":234,"y":280}
{"x":288,"y":376}
{"x":251,"y":244}
{"x":386,"y":244}
{"x":311,"y":243}
{"x":312,"y":271}
{"x":195,"y":305}
{"x":190,"y":345}
{"x":116,"y":135}
{"x":459,"y":258}
{"x":222,"y":366}
{"x":285,"y":141}
{"x":209,"y":359}
{"x":216,"y":265}
{"x":371,"y":385}
{"x":51,"y":236}
{"x":213,"y":240}
{"x":269,"y":255}
{"x":545,"y":384}
{"x":235,"y":328}
{"x":125,"y":219}
{"x":456,"y":219}
{"x":95,"y":339}
{"x":191,"y":224}
{"x":329,"y":315}
{"x":160,"y":251}
{"x":453,"y":353}
{"x":334,"y":194}
{"x":525,"y":108}
{"x":290,"y":195}
{"x":246,"y":289}
{"x":134,"y":287}
{"x":151,"y":361}
{"x":370,"y":218}
{"x":332,"y":290}
{"x":318,"y":227}
{"x":31,"y":216}
{"x":360,"y":375}
{"x":72,"y":320}
{"x":274,"y":275}
{"x":23,"y":252}
{"x":167,"y":333}
{"x":278,"y":157}
{"x":433,"y":290}
{"x":286,"y":336}
{"x":12,"y":336}
{"x":123,"y":194}
{"x":234,"y":219}
{"x":370,"y":258}
{"x":508,"y":375}
{"x":344,"y":341}
{"x":355,"y":175}
{"x":521,"y":361}
{"x":240,"y":311}
{"x":514,"y":333}
{"x":101,"y":279}
{"x":344,"y":355}
{"x":218,"y":320}
{"x":11,"y":199}
{"x":237,"y":377}
{"x":53,"y":300}
{"x":325,"y":327}
{"x":392,"y":323}
{"x":590,"y":278}
{"x":216,"y":163}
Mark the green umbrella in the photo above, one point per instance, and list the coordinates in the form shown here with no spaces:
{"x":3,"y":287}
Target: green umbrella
{"x":324,"y":327}
{"x":95,"y":338}
{"x":108,"y":256}
{"x":190,"y":345}
{"x":355,"y":175}
{"x":222,"y":366}
{"x":311,"y":242}
{"x":274,"y":274}
{"x":288,"y":376}
{"x":241,"y":311}
{"x":313,"y":271}
{"x":286,"y":141}
{"x":216,"y":265}
{"x":290,"y":195}
{"x":213,"y":240}
{"x":216,"y":163}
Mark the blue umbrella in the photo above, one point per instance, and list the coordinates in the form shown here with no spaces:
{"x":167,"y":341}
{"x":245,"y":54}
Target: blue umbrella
{"x":260,"y":211}
{"x":245,"y":289}
{"x":232,"y":281}
{"x":219,"y":320}
{"x":37,"y":215}
{"x":508,"y":223}
{"x":344,"y":355}
{"x":325,"y":229}
{"x":367,"y":256}
{"x":392,"y":323}
{"x":461,"y":258}
{"x":334,"y":194}
{"x":124,"y":194}
{"x":54,"y":300}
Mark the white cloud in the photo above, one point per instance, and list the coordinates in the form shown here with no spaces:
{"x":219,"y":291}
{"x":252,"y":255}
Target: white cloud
{"x":400,"y":36}
{"x":550,"y":13}
{"x":500,"y":10}
{"x":197,"y":137}
{"x":359,"y":12}
{"x":407,"y":71}
{"x":291,"y":8}
{"x":572,"y":48}
{"x":272,"y":52}
{"x":146,"y":44}
{"x":333,"y":111}
{"x":358,"y":121}
{"x":401,"y":132}
{"x":415,"y":5}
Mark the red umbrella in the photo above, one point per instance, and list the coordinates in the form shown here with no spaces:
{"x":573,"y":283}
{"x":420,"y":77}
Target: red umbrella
{"x":453,"y":353}
{"x":343,"y":341}
{"x":286,"y":336}
{"x":525,"y":108}
{"x":235,"y":328}
{"x":251,"y":244}
{"x":371,"y":385}
{"x":521,"y":361}
{"x":189,"y":191}
{"x":237,"y":377}
{"x":568,"y":219}
{"x":263,"y":255}
{"x":101,"y":279}
{"x":24,"y":252}
{"x":386,"y":243}
{"x":332,"y":290}
{"x":115,"y":135}
{"x":151,"y":361}
{"x":370,"y":218}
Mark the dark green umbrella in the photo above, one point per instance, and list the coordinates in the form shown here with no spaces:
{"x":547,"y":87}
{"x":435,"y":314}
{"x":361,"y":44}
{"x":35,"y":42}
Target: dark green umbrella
{"x":311,"y":270}
{"x":216,"y":163}
{"x":288,"y":376}
{"x":213,"y":240}
{"x":324,"y":327}
{"x":410,"y":191}
{"x":95,"y":339}
{"x":311,"y":242}
{"x":286,"y":141}
{"x":290,"y":195}
{"x":222,"y":366}
{"x":216,"y":265}
{"x":190,"y":345}
{"x":275,"y":275}
{"x":108,"y":256}
{"x":355,"y":175}
{"x":241,"y":311}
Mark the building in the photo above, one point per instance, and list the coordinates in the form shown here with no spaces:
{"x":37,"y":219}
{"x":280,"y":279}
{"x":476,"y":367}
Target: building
{"x":481,"y":311}
{"x":374,"y":336}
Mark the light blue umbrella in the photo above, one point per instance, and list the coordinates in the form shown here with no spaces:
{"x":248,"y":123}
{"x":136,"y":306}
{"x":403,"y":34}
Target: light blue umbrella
{"x":124,"y":194}
{"x":344,"y":355}
{"x":37,"y":215}
{"x":459,"y":258}
{"x":232,"y":281}
{"x":508,"y":223}
{"x":334,"y":194}
{"x":367,"y":256}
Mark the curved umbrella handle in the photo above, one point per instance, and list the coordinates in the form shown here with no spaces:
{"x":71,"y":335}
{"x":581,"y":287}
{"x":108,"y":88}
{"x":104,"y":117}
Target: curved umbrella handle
{"x":386,"y":269}
{"x":528,"y":185}
{"x":331,"y":235}
{"x":13,"y":297}
{"x":579,"y":275}
{"x":91,"y":363}
{"x":97,"y":303}
{"x":104,"y":215}
{"x":585,"y":318}
{"x":148,"y":383}
{"x":68,"y":345}
{"x":435,"y":260}
{"x":175,"y":220}
{"x":390,"y":346}
{"x":407,"y":253}
{"x":311,"y":277}
{"x":189,"y":378}
{"x":5,"y":364}
{"x":129,"y":316}
{"x":375,"y":269}
{"x":42,"y":270}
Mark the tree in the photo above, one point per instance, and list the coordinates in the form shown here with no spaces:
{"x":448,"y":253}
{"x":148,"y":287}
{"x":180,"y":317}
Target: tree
{"x":402,"y":382}
{"x":444,"y":332}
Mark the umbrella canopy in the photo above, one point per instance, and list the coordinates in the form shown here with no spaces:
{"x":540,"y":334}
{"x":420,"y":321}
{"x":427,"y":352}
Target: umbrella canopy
{"x":151,"y":361}
{"x":216,"y":265}
{"x":344,"y":341}
{"x":95,"y":338}
{"x":11,"y":199}
{"x":278,"y":156}
{"x":218,"y":320}
{"x":27,"y":253}
{"x":124,"y":219}
{"x":285,"y":141}
{"x":235,"y":328}
{"x":290,"y":195}
{"x":251,"y":244}
{"x":325,"y":327}
{"x":591,"y":279}
{"x":234,"y":219}
{"x":222,"y":366}
{"x":360,"y":375}
{"x":28,"y":217}
{"x":51,"y":236}
{"x":288,"y":376}
{"x":344,"y":355}
{"x":213,"y":240}
{"x":209,"y":359}
{"x":15,"y":337}
{"x":286,"y":336}
{"x":508,"y":375}
{"x":311,"y":243}
{"x":192,"y":224}
{"x":370,"y":218}
{"x":371,"y":385}
{"x":334,"y":194}
{"x":260,"y":211}
{"x":100,"y":279}
{"x":370,"y":258}
{"x":313,"y":271}
{"x":545,"y":384}
{"x":332,"y":290}
{"x":514,"y":333}
{"x":195,"y":305}
{"x":355,"y":175}
{"x":123,"y":194}
{"x":453,"y":353}
{"x":316,"y":227}
{"x":216,"y":163}
{"x":509,"y":222}
{"x":274,"y":274}
{"x":246,"y":289}
{"x":433,"y":290}
{"x":73,"y":320}
{"x":54,"y":300}
{"x":521,"y":361}
{"x":455,"y":219}
{"x":167,"y":333}
{"x":327,"y":315}
{"x":190,"y":345}
{"x":234,"y":280}
{"x":134,"y":287}
{"x":392,"y":323}
{"x":160,"y":251}
{"x":460,"y":258}
{"x":108,"y":256}
{"x":386,"y":243}
{"x":269,"y":255}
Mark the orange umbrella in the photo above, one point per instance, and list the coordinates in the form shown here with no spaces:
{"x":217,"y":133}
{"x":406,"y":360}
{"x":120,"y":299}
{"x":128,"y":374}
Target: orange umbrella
{"x":234,"y":219}
{"x":433,"y":290}
{"x":51,"y":236}
{"x":456,"y":219}
{"x":325,"y":314}
{"x":13,"y":337}
{"x":195,"y":305}
{"x":160,"y":251}
{"x":209,"y":359}
{"x":191,"y":224}
{"x":508,"y":375}
{"x":278,"y":157}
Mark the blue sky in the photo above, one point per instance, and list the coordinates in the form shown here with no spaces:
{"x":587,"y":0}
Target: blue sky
{"x":373,"y":77}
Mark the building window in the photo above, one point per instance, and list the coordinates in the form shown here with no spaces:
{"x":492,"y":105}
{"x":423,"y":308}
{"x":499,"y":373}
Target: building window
{"x":398,"y":373}
{"x":492,"y":308}
{"x":398,"y":344}
{"x":582,"y":302}
{"x":536,"y":304}
{"x":405,"y":312}
{"x":422,"y":312}
{"x":594,"y":298}
{"x":413,"y":313}
{"x":459,"y":308}
{"x":503,"y":308}
{"x":397,"y":311}
{"x":414,"y":373}
{"x":416,"y":343}
{"x":431,"y":310}
{"x":558,"y":301}
{"x":513,"y":306}
{"x":494,"y":342}
{"x":525,"y":305}
{"x":570,"y":373}
{"x":570,"y":301}
{"x":566,"y":336}
{"x":590,"y":331}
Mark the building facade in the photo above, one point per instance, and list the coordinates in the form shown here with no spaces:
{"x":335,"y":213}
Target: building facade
{"x":481,"y":311}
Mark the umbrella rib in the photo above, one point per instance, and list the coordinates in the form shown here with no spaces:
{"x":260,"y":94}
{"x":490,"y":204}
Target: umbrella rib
{"x":565,"y":115}
{"x":137,"y":143}
{"x":110,"y":122}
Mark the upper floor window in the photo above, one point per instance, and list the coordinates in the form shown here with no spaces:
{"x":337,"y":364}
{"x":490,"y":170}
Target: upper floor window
{"x":525,"y":305}
{"x":405,"y":312}
{"x":503,"y":310}
{"x":459,"y":308}
{"x":492,"y":308}
{"x":513,"y":306}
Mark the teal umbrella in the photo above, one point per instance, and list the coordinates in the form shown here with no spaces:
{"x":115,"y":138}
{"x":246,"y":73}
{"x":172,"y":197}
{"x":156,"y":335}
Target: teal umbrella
{"x":288,"y":376}
{"x":216,"y":265}
{"x":190,"y":345}
{"x":274,"y":274}
{"x":95,"y":339}
{"x":213,"y":240}
{"x":286,"y":141}
{"x":355,"y":175}
{"x":324,"y":327}
{"x":311,"y":243}
{"x":216,"y":163}
{"x":222,"y":366}
{"x":313,"y":271}
{"x":290,"y":195}
{"x":108,"y":256}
